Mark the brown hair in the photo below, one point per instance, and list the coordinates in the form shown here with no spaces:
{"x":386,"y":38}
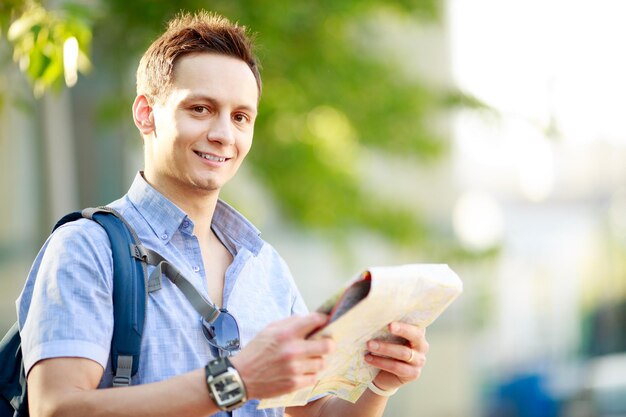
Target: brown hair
{"x":192,"y":33}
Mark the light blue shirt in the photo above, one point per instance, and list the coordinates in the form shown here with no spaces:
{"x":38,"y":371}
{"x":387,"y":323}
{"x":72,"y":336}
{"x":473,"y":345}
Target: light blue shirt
{"x":65,"y":308}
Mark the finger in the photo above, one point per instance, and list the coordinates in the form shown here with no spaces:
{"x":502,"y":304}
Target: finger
{"x":415,"y":335}
{"x":299,"y":349}
{"x":301,"y":326}
{"x":302,"y":381}
{"x":319,"y":347}
{"x":310,"y":366}
{"x":393,"y":350}
{"x":404,"y":371}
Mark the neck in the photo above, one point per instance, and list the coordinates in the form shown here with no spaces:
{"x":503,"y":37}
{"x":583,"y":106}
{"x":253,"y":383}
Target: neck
{"x":198,"y":204}
{"x":200,"y":212}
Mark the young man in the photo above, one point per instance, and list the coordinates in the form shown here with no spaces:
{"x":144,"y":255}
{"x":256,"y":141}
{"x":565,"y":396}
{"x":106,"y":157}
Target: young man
{"x":198,"y":88}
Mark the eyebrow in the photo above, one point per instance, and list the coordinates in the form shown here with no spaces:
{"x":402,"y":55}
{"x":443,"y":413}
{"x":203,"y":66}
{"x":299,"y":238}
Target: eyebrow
{"x":215,"y":102}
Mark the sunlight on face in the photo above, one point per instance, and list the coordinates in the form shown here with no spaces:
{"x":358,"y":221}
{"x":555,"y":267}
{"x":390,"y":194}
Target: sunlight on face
{"x":203,"y":130}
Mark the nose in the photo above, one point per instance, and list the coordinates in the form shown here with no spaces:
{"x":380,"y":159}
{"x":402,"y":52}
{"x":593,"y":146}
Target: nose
{"x":221,"y":130}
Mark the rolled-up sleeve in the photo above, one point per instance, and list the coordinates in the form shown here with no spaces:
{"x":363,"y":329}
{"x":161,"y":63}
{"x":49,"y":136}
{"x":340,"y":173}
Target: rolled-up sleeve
{"x":66,"y":308}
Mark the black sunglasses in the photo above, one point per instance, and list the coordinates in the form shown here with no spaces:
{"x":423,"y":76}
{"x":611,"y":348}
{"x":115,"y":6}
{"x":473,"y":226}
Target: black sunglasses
{"x":222,"y":333}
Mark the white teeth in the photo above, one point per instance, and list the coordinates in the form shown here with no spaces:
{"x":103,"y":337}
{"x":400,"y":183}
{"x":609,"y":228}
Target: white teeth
{"x":211,"y":157}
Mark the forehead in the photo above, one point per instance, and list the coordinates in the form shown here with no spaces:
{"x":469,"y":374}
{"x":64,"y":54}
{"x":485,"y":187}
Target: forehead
{"x":215,"y":75}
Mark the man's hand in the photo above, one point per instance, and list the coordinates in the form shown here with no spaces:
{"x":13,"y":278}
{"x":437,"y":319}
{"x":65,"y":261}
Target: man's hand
{"x":399,"y":362}
{"x":280,"y":360}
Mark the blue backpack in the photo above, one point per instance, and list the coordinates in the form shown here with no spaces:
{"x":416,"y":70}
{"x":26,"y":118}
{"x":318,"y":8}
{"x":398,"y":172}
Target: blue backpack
{"x":129,"y":304}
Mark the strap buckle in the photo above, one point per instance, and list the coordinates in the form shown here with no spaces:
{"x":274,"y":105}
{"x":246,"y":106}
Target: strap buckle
{"x":121,"y":381}
{"x":123,"y":373}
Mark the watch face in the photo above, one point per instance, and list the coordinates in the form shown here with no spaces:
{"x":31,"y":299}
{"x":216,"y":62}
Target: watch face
{"x":227,"y":389}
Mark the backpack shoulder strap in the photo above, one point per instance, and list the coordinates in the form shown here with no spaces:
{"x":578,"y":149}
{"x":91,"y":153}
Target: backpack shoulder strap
{"x":13,"y":395}
{"x":129,"y":305}
{"x":129,"y":289}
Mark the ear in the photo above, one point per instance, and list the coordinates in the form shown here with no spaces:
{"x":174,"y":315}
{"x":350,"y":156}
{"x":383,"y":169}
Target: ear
{"x":142,"y":115}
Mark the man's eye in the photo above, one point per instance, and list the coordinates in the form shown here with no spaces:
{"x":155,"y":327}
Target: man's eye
{"x":199,"y":109}
{"x":240,"y":117}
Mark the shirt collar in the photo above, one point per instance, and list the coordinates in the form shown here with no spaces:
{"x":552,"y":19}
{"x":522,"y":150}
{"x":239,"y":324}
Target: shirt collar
{"x":235,"y":230}
{"x":165,"y":218}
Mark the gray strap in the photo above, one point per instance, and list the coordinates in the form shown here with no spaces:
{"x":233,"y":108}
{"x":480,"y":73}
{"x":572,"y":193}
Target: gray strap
{"x":154,"y":282}
{"x":90,"y":211}
{"x":207,"y":310}
{"x":124,"y":369}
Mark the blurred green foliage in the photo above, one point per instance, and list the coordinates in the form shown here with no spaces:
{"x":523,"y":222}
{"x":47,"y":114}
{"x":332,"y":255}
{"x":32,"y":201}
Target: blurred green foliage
{"x":328,"y":103}
{"x":38,"y":37}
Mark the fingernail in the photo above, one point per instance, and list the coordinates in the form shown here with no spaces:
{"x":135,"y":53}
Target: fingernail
{"x":368,"y":358}
{"x":374,"y":345}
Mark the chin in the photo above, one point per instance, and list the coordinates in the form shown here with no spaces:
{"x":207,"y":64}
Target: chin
{"x":207,"y":185}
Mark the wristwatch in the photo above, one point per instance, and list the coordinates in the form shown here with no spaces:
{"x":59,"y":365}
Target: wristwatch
{"x":225,"y":385}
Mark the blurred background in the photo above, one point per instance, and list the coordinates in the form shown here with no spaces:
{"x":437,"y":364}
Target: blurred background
{"x":485,"y":134}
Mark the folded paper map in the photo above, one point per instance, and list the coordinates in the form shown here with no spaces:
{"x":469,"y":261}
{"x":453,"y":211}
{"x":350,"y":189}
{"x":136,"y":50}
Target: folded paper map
{"x":361,"y":311}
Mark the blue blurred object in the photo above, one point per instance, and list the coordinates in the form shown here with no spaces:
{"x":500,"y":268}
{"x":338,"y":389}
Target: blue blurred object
{"x":523,"y":395}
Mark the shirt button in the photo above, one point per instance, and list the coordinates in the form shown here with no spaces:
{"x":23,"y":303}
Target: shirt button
{"x":185,"y":224}
{"x":164,"y":236}
{"x":196,"y":269}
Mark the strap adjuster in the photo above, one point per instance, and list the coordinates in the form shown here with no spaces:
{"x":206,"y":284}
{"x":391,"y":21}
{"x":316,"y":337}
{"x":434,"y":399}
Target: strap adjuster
{"x":121,"y":381}
{"x":123,"y":375}
{"x":139,"y":252}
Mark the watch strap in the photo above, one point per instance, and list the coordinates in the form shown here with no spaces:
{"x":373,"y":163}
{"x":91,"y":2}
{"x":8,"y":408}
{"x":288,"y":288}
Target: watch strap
{"x":214,"y":372}
{"x":218,"y":366}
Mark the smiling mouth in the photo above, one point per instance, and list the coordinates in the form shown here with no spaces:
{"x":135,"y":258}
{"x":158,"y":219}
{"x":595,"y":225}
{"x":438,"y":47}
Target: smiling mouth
{"x":210,"y":157}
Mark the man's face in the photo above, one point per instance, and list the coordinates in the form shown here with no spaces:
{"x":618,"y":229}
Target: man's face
{"x":203,"y":129}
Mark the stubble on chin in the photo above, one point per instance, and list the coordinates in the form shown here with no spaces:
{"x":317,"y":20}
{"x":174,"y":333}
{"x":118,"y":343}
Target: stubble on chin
{"x":204,"y":186}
